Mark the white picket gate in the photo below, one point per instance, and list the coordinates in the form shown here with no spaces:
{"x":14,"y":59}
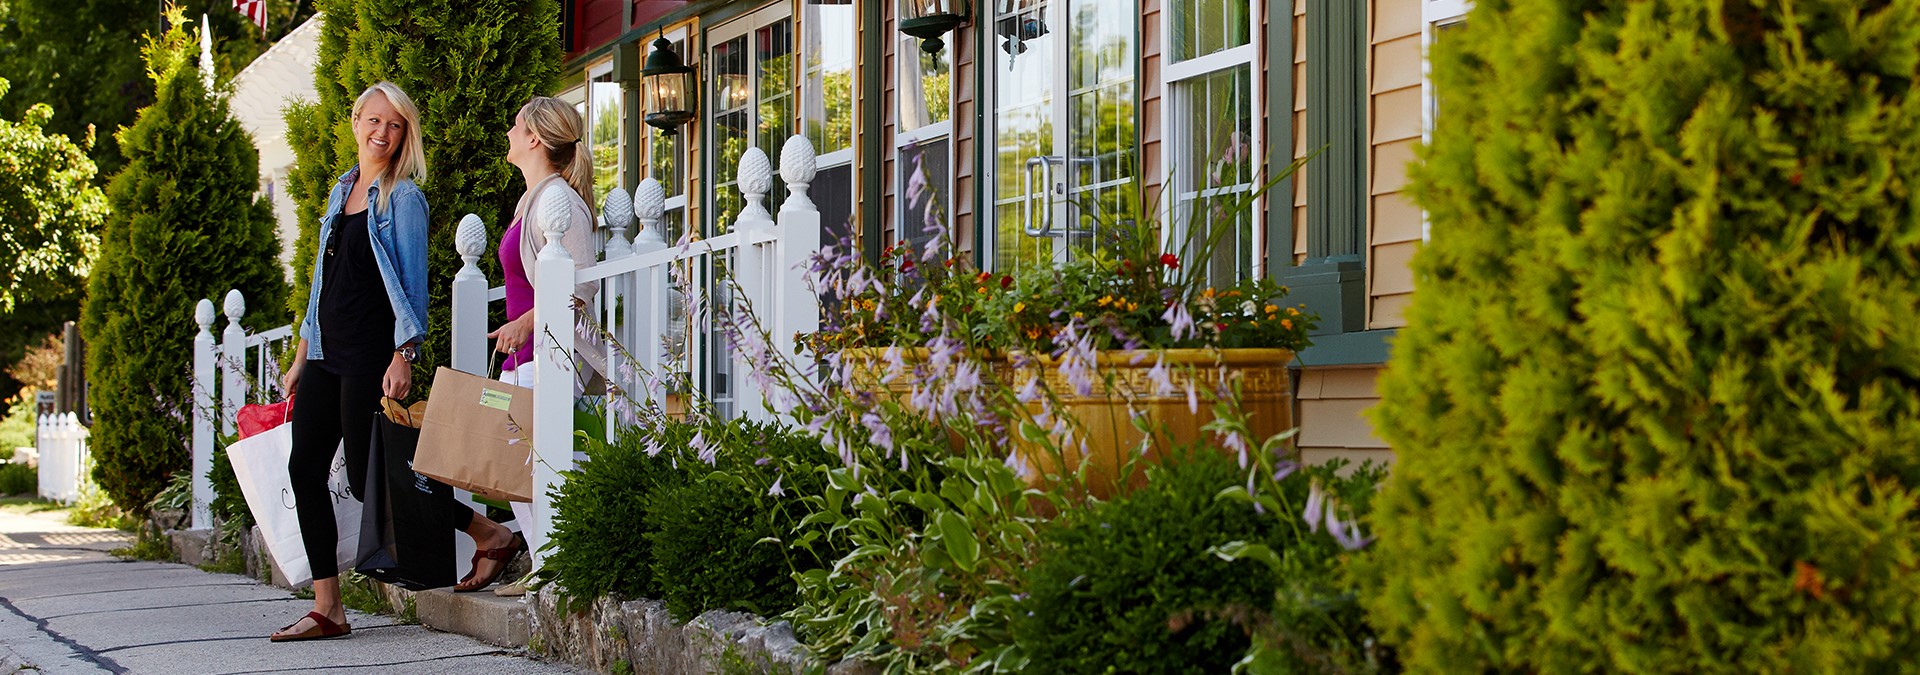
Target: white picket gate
{"x":65,"y":465}
{"x":767,"y":259}
{"x":221,"y":385}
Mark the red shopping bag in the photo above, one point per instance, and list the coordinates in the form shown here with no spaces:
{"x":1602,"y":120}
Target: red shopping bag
{"x":253,"y":419}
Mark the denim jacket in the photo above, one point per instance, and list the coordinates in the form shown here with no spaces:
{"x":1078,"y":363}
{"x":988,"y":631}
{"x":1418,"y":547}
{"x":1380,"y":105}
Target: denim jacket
{"x":399,"y":250}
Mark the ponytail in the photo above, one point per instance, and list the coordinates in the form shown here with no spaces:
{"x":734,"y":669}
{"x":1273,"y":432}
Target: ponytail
{"x":559,"y":128}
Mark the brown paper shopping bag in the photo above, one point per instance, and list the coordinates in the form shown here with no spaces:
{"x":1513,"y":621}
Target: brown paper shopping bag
{"x":478,"y":436}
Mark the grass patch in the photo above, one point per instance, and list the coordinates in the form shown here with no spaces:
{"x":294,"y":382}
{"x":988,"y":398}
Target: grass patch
{"x":149,"y":544}
{"x":27,"y":505}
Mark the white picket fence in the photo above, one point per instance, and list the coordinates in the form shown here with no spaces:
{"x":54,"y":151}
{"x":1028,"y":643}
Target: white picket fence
{"x":221,"y":385}
{"x":65,"y":464}
{"x":766,"y":257}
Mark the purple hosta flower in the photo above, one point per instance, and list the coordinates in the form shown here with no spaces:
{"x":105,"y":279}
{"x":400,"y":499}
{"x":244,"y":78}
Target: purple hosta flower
{"x":1031,"y":392}
{"x":1284,"y":468}
{"x":1347,"y":533}
{"x":653,"y":446}
{"x":1193,"y":399}
{"x":1158,"y":375}
{"x":709,"y":453}
{"x":1316,"y":507}
{"x":775,"y":491}
{"x":763,"y":461}
{"x":1237,"y":443}
{"x":966,"y":378}
{"x":922,"y":398}
{"x":882,"y":434}
{"x":1181,"y":321}
{"x":1018,"y":465}
{"x":896,"y":366}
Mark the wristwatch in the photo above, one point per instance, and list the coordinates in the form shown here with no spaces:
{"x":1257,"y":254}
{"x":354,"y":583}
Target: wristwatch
{"x":409,"y":352}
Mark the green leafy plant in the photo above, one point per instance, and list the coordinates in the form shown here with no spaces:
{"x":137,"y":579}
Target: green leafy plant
{"x":720,"y":539}
{"x":18,"y":479}
{"x":1130,"y":585}
{"x":1651,"y":411}
{"x":599,"y":544}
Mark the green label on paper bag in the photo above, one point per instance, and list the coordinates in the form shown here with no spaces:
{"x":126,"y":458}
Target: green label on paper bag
{"x":498,"y":400}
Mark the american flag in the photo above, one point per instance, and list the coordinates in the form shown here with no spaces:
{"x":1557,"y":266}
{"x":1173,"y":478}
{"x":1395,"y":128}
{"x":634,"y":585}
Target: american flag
{"x":255,"y":10}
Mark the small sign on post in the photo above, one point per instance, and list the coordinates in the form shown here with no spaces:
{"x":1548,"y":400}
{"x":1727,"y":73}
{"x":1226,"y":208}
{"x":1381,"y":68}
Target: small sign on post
{"x":43,"y":403}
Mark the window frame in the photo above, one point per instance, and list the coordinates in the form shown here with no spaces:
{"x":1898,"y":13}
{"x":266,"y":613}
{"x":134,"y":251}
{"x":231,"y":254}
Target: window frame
{"x":907,"y":51}
{"x":1175,"y":74}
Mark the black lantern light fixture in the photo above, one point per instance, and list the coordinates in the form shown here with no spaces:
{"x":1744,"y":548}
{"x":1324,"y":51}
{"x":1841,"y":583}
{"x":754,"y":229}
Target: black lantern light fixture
{"x":929,"y":19}
{"x":670,"y":88}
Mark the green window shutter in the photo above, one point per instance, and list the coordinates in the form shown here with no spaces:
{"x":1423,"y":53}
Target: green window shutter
{"x":1332,"y":279}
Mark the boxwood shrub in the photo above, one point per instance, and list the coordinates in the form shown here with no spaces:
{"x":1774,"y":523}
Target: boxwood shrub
{"x":1128,"y":586}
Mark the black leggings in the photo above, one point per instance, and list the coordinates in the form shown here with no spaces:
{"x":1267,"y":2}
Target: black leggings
{"x":330,"y":404}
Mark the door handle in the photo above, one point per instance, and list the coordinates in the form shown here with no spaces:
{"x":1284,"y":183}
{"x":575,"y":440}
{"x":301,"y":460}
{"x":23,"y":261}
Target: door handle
{"x":1045,"y":226}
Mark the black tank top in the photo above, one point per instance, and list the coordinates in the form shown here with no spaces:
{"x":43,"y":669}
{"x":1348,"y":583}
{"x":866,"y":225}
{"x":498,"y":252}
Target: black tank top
{"x":356,"y":318}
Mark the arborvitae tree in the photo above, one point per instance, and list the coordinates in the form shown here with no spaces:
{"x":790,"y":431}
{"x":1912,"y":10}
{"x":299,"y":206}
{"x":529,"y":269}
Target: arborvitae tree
{"x":185,"y":225}
{"x":469,"y":66}
{"x":1658,"y":403}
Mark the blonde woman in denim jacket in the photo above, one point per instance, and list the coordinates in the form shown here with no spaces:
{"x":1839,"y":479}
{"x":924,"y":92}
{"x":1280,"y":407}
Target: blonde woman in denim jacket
{"x":366,"y":316}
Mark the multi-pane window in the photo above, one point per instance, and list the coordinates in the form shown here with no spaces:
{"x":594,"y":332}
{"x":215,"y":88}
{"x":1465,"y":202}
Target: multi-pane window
{"x":605,"y":123}
{"x":924,"y":182}
{"x":1213,"y":171}
{"x":827,"y":109}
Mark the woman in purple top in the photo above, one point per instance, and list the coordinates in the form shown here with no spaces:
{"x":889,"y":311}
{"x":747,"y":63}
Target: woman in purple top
{"x":546,"y":143}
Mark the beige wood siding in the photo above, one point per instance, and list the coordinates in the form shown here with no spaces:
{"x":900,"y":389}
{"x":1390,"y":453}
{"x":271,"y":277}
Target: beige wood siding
{"x":963,"y":47}
{"x":1333,"y":404}
{"x":1393,"y":224}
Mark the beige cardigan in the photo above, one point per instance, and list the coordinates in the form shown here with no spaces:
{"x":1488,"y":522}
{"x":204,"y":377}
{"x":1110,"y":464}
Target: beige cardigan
{"x":582,"y":241}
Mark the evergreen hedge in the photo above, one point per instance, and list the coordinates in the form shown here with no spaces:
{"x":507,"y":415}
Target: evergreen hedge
{"x":184,"y":224}
{"x":469,"y":66}
{"x":1655,"y":408}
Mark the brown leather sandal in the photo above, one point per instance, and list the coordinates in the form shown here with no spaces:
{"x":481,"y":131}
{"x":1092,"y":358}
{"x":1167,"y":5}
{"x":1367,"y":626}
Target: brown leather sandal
{"x":323,"y":629}
{"x":500,"y":555}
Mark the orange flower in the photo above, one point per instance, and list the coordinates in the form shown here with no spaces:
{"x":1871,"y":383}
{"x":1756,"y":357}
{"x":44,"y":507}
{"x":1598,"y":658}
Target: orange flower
{"x":1286,"y":323}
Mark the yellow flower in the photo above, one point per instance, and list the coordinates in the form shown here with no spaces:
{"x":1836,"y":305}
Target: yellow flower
{"x":1286,"y":323}
{"x":1271,"y":309}
{"x":1208,"y":293}
{"x":1078,"y":315}
{"x":1019,"y":306}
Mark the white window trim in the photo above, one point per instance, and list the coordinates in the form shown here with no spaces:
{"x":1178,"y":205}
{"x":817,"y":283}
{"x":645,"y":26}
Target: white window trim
{"x":847,"y":154}
{"x":1433,"y":14}
{"x":1172,"y":75}
{"x":922,"y":134}
{"x":740,"y":26}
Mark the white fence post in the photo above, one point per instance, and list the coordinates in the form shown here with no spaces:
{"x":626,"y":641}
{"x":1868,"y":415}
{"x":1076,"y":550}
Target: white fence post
{"x":233,"y":363}
{"x":202,"y":414}
{"x":795,"y":309}
{"x":553,"y":364}
{"x":63,"y":456}
{"x":470,"y":299}
{"x":616,"y":214}
{"x":653,"y":302}
{"x":751,"y":262}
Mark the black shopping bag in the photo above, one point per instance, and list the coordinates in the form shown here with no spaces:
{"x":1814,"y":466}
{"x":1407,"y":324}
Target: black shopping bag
{"x":406,"y":536}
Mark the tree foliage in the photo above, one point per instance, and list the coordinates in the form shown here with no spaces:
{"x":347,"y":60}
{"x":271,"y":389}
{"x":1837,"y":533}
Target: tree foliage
{"x":49,"y":209}
{"x":1656,"y":406}
{"x":83,"y":58}
{"x":185,"y":225}
{"x":469,"y":66}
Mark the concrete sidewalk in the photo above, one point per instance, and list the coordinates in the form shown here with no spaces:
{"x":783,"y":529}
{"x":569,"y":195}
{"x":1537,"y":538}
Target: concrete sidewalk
{"x":66,"y":606}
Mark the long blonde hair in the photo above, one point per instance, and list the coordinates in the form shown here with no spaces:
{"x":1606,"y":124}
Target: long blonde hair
{"x":559,"y":128}
{"x":410,"y":159}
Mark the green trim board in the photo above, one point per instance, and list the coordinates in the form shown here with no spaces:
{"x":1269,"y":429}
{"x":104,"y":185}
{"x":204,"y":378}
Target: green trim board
{"x":1279,"y":222}
{"x":1362,"y":348}
{"x":1336,"y":126}
{"x":872,"y":146}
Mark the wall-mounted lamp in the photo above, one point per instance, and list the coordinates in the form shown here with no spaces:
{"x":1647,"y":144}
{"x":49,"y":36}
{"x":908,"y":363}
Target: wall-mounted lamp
{"x":929,"y":19}
{"x":670,"y":88}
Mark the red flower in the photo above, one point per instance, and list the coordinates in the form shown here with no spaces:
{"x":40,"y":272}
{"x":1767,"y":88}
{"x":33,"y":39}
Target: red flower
{"x":1170,"y":260}
{"x":906,"y":266}
{"x":1006,"y":281}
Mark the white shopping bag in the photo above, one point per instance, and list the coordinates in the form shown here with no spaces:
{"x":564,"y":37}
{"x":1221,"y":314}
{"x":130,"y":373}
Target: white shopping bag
{"x":260,"y":462}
